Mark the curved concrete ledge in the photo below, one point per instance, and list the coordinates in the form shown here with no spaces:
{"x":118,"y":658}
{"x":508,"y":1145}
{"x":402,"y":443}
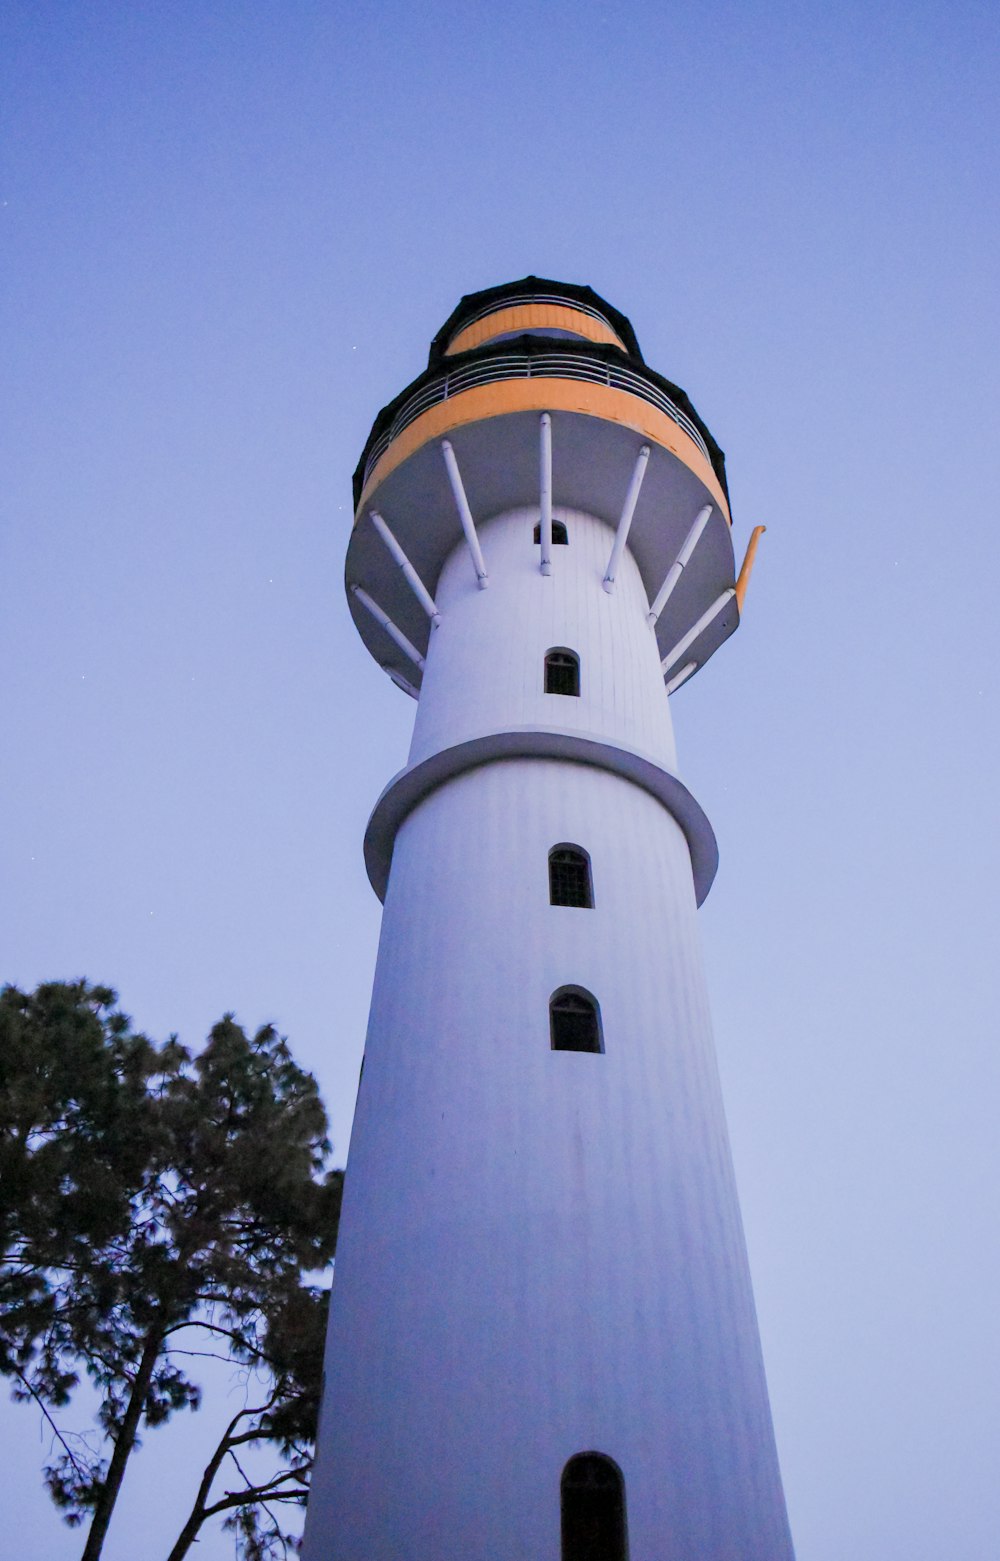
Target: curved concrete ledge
{"x":410,"y":786}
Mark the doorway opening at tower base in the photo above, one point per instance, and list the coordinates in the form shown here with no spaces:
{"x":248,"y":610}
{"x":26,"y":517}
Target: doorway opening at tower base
{"x":592,"y":1495}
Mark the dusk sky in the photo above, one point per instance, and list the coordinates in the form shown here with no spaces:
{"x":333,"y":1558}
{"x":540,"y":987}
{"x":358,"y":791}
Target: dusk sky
{"x":230,"y":232}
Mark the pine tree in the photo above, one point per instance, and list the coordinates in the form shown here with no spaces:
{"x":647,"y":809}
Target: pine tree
{"x":146,"y":1194}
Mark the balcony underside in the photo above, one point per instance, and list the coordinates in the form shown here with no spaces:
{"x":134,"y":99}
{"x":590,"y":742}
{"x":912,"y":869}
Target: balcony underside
{"x":592,"y":462}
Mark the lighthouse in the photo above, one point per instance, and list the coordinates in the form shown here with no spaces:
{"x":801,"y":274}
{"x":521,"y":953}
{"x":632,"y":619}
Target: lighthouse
{"x":542,"y":1341}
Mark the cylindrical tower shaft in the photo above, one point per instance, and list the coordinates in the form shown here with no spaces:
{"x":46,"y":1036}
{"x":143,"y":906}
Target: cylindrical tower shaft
{"x":542,"y":1337}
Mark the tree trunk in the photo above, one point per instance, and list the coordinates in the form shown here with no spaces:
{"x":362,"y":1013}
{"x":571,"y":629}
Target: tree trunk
{"x":124,"y":1444}
{"x":196,"y":1517}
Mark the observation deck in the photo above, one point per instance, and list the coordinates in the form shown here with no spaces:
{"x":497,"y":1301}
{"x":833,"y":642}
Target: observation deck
{"x":462,"y":443}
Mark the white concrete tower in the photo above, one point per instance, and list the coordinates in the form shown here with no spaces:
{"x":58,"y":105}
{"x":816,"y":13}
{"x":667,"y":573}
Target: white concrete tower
{"x":542,"y":1338}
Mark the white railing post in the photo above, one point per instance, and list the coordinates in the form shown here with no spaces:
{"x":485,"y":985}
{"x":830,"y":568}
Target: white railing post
{"x":464,"y":513}
{"x":545,"y":532}
{"x":677,"y":567}
{"x":693,"y":633}
{"x":413,"y":580}
{"x":628,"y":510}
{"x":405,"y":645}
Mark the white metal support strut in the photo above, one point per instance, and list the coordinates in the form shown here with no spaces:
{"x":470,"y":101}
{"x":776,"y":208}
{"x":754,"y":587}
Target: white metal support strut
{"x":545,"y":485}
{"x":682,"y":676}
{"x":413,"y":580}
{"x":628,"y":510}
{"x":692,"y":634}
{"x":464,"y":513}
{"x":405,"y":645}
{"x":677,"y":567}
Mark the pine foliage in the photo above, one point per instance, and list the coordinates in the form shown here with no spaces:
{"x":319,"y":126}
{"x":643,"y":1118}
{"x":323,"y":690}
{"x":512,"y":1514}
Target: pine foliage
{"x":147,"y":1195}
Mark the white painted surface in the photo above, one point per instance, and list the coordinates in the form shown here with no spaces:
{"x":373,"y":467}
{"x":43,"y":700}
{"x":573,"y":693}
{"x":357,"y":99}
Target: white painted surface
{"x":545,"y":493}
{"x":464,"y":513}
{"x":412,"y":785}
{"x":485,"y":662}
{"x":592,"y":465}
{"x":540,"y":1252}
{"x":719,"y":605}
{"x":410,"y":575}
{"x":626,"y":517}
{"x":677,"y":568}
{"x":381,"y":617}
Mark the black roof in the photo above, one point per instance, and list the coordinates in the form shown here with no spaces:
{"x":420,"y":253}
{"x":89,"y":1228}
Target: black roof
{"x":474,"y":305}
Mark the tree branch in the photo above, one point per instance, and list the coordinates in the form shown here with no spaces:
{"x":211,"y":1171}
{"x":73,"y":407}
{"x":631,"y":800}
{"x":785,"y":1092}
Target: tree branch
{"x":269,"y":1491}
{"x":233,"y":1334}
{"x":55,"y":1429}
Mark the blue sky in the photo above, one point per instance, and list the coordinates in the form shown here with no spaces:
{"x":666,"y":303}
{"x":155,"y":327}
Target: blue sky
{"x":229,"y":235}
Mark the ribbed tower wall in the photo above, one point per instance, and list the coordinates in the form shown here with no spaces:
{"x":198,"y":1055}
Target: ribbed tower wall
{"x":541,"y":1251}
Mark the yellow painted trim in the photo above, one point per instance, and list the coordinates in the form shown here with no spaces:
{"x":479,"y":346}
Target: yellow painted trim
{"x":526,"y":317}
{"x":747,"y":566}
{"x":546,"y":395}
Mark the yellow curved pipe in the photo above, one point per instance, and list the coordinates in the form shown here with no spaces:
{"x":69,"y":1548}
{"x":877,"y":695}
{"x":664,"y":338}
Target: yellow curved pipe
{"x":745,"y":571}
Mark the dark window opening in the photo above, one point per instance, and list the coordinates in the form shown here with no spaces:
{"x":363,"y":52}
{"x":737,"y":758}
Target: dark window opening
{"x":569,"y":877}
{"x":593,"y":1510}
{"x":560,"y":537}
{"x":574,"y":1021}
{"x":535,"y":330}
{"x":562,"y":672}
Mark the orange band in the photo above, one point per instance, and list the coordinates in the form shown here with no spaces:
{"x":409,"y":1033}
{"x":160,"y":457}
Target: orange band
{"x":533,"y":317}
{"x":546,"y":395}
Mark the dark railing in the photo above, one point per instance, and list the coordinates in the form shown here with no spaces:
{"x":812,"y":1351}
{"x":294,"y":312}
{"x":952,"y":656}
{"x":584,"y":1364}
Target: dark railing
{"x":517,"y":299}
{"x":523,"y":365}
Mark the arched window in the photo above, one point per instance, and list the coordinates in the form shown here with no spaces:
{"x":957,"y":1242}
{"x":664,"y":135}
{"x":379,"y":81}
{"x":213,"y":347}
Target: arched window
{"x":574,"y":1021}
{"x":562,"y":672}
{"x":593,"y":1510}
{"x":569,"y":877}
{"x":560,"y":537}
